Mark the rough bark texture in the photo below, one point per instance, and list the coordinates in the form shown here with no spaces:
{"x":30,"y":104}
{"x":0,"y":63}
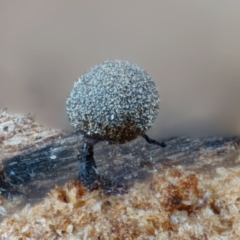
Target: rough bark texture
{"x":188,"y":190}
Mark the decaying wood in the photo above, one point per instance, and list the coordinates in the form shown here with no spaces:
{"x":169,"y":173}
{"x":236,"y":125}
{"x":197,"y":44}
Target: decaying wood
{"x":35,"y":159}
{"x":54,"y":161}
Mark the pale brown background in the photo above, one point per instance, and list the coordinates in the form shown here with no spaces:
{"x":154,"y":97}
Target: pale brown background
{"x":190,"y":48}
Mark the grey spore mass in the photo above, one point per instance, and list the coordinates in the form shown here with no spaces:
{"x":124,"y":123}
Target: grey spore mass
{"x":115,"y":101}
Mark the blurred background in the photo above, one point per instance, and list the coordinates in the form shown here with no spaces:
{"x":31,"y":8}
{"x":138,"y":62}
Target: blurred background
{"x":190,"y":48}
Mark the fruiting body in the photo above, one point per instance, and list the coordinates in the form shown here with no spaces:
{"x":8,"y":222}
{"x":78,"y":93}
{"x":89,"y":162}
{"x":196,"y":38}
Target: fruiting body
{"x":115,"y":101}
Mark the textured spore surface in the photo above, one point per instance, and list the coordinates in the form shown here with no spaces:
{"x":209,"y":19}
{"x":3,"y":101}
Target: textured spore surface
{"x":114,"y":101}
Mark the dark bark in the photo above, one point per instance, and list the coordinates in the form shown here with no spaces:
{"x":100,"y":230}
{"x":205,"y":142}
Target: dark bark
{"x":36,"y":170}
